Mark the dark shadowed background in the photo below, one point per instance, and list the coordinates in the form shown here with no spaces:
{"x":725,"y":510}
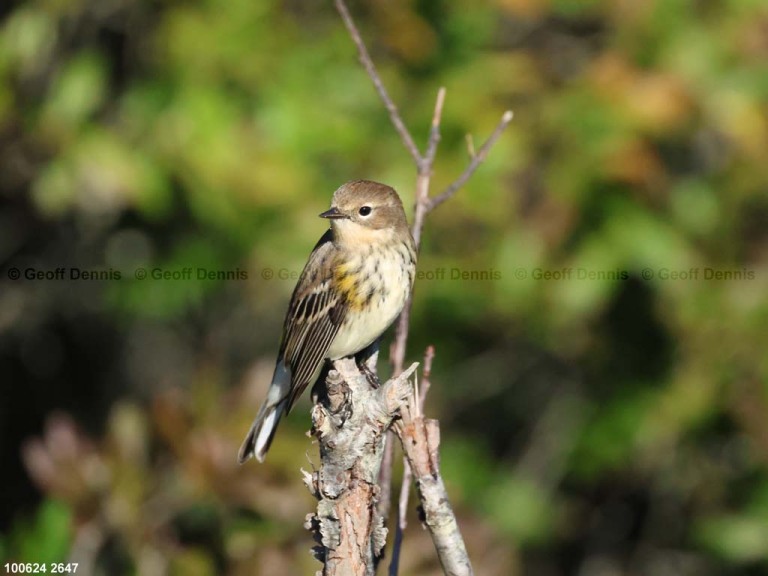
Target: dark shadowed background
{"x":597,"y":295}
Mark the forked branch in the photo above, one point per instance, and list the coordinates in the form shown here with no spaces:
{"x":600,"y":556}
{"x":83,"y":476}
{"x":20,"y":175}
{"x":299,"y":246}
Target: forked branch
{"x":420,"y":437}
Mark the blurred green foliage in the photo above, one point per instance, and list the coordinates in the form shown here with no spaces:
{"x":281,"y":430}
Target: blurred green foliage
{"x":47,"y":537}
{"x":597,"y":425}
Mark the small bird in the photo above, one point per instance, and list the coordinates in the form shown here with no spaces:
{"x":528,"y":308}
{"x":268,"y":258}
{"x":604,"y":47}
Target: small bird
{"x":353,"y":287}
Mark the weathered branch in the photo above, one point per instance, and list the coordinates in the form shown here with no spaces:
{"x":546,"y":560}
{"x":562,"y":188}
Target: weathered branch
{"x":405,"y":488}
{"x":420,"y":438}
{"x":350,"y":421}
{"x":422,"y":446}
{"x":421,"y":443}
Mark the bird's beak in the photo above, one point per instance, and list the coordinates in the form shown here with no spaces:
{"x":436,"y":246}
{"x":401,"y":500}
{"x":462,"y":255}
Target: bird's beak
{"x":333,"y":214}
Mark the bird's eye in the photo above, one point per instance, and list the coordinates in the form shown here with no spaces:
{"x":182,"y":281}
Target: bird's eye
{"x":364,"y":211}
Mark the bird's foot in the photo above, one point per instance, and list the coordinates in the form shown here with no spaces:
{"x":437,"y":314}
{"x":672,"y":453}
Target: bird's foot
{"x":370,"y":375}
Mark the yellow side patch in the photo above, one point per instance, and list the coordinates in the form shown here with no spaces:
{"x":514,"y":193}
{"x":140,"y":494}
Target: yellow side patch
{"x":347,"y":284}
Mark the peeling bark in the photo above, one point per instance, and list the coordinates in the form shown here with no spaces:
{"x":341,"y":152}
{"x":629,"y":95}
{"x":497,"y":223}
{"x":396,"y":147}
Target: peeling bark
{"x":350,"y":422}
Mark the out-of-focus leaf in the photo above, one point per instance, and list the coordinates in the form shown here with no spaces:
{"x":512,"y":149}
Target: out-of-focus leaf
{"x":736,"y":538}
{"x":47,"y":537}
{"x":77,"y":92}
{"x":520,"y":508}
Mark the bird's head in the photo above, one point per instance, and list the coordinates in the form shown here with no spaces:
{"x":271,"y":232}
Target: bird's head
{"x":366,"y":211}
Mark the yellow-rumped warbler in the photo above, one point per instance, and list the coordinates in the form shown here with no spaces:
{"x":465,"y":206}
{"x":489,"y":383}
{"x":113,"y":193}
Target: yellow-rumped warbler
{"x":354,"y":285}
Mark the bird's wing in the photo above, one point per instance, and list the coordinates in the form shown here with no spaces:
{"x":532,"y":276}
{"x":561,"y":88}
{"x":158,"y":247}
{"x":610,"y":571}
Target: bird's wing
{"x":314,"y":316}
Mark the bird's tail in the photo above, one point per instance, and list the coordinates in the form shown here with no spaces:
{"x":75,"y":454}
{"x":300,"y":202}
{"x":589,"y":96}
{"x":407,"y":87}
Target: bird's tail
{"x":265,"y":425}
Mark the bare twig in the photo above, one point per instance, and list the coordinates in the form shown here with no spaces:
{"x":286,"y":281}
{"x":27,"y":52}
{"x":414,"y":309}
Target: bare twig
{"x":397,"y":351}
{"x":434,"y":132}
{"x":426,"y":377}
{"x":402,"y":522}
{"x":405,"y":489}
{"x":425,"y":171}
{"x":365,"y":60}
{"x":470,"y":146}
{"x":437,"y":512}
{"x":474,"y":163}
{"x":420,"y":439}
